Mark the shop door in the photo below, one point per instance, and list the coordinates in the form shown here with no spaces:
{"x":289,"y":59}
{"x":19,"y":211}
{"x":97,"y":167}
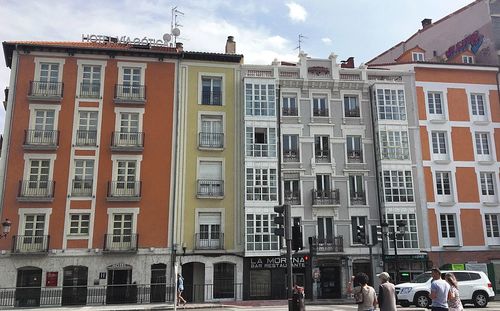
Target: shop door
{"x":158,"y":282}
{"x":362,"y":267}
{"x":330,"y":287}
{"x":28,"y":287}
{"x":74,"y":285}
{"x":120,"y":289}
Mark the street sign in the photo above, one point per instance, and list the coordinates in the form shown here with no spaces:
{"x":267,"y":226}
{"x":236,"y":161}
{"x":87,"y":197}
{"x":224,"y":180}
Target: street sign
{"x":316,"y":274}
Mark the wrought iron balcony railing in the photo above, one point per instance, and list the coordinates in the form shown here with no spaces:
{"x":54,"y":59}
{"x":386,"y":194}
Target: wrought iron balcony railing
{"x":121,"y":242}
{"x":290,"y":112}
{"x":29,"y":244}
{"x":82,"y":188}
{"x":45,"y":90}
{"x":213,"y":98}
{"x":90,"y":90}
{"x":132,"y":141}
{"x":41,"y":139}
{"x":291,"y":155}
{"x":209,"y":240}
{"x":355,"y":156}
{"x":211,"y":140}
{"x":325,"y":197}
{"x":327,"y":245}
{"x":352,"y":113}
{"x":320,"y":112}
{"x":134,"y":94}
{"x":210,"y":188}
{"x":36,"y":190}
{"x":124,"y":190}
{"x":358,"y":198}
{"x":292,"y":197}
{"x":86,"y":138}
{"x":322,"y":156}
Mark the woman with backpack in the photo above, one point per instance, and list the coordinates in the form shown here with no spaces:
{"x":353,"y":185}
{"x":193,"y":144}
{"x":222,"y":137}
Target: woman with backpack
{"x":364,"y":295}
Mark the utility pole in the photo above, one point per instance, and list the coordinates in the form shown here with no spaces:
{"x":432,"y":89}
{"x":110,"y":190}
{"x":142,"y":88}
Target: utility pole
{"x":284,"y":220}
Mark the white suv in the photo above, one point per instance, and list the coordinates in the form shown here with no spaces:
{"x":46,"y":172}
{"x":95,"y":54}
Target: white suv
{"x":473,"y":286}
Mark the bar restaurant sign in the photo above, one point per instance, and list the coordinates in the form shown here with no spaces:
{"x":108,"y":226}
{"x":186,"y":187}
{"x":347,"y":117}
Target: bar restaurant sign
{"x":123,"y":40}
{"x":275,"y":262}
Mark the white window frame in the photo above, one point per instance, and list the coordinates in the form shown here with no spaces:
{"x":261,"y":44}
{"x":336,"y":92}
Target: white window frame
{"x":479,"y":139}
{"x":394,"y":144}
{"x":118,"y":157}
{"x":254,"y":185}
{"x":79,"y":222}
{"x":449,"y":241}
{"x":430,"y":99}
{"x":34,"y":107}
{"x":218,"y":75}
{"x":351,"y":145}
{"x":123,"y":210}
{"x":358,"y":101}
{"x":122,"y":65}
{"x":28,"y":157}
{"x":395,"y":183}
{"x":251,"y":151}
{"x":294,"y":186}
{"x":267,"y":229}
{"x":487,"y":181}
{"x":417,"y":56}
{"x":467,"y":59}
{"x":286,"y":103}
{"x":439,"y":178}
{"x":437,"y":138}
{"x":320,"y":97}
{"x":473,"y":101}
{"x":410,"y":239}
{"x":398,"y":108}
{"x":40,"y":60}
{"x":271,"y":106}
{"x":79,"y":80}
{"x":220,"y":211}
{"x":490,"y":221}
{"x":23,"y":212}
{"x":289,"y":139}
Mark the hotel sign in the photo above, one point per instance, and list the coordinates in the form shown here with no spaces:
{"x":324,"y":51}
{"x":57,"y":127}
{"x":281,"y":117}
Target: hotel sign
{"x":473,"y":41}
{"x":123,"y":40}
{"x":276,"y":262}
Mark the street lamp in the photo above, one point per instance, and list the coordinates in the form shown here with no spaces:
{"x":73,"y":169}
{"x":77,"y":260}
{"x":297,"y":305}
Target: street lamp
{"x":395,"y":235}
{"x":5,"y":228}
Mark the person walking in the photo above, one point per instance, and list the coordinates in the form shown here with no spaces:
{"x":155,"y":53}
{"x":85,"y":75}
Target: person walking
{"x":364,"y":295}
{"x":454,"y":303}
{"x":386,"y":293}
{"x":439,"y":291}
{"x":180,"y":289}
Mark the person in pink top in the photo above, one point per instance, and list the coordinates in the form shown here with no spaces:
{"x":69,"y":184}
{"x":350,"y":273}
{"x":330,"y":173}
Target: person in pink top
{"x":454,"y":303}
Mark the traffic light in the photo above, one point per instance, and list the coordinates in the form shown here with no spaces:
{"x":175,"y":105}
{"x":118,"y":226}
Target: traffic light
{"x":361,"y":234}
{"x":377,"y":234}
{"x":297,"y":244}
{"x":282,"y":220}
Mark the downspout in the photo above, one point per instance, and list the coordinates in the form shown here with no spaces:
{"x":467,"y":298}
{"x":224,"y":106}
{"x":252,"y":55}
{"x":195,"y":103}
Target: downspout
{"x":8,"y":123}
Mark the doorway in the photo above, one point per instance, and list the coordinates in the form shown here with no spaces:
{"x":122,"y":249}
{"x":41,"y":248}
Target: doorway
{"x":330,"y":287}
{"x":74,"y":285}
{"x":194,"y":281}
{"x":28,"y":287}
{"x":120,"y":288}
{"x":158,"y":282}
{"x":364,"y":267}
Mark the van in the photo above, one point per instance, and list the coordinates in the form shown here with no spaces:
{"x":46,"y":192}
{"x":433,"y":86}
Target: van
{"x":474,"y":287}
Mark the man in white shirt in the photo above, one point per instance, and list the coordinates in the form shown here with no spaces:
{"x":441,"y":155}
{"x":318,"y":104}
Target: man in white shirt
{"x":439,"y":291}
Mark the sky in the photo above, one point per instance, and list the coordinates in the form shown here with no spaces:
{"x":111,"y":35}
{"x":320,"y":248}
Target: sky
{"x":264,"y":30}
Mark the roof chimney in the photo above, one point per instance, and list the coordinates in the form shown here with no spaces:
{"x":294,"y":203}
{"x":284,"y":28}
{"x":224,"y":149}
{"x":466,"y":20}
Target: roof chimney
{"x":426,"y":22}
{"x":179,"y":46}
{"x":230,"y":45}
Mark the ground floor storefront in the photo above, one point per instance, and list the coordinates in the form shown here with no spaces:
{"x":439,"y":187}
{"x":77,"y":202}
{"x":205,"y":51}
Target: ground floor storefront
{"x":408,"y":265}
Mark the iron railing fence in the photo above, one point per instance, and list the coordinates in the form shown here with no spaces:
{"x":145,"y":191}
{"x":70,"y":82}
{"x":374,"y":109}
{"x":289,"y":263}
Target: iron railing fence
{"x":42,"y":189}
{"x":209,"y":240}
{"x":46,"y":89}
{"x":325,"y":197}
{"x":125,"y":92}
{"x":90,"y":90}
{"x":211,"y":140}
{"x":121,"y":242}
{"x":86,"y":137}
{"x":29,"y":244}
{"x":41,"y":138}
{"x":210,"y":188}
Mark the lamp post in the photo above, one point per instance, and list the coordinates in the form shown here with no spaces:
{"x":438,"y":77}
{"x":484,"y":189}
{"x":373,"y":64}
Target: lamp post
{"x":5,"y":228}
{"x":395,"y":235}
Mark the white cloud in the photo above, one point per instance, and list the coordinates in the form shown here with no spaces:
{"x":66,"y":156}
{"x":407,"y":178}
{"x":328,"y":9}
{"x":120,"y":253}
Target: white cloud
{"x":326,"y":41}
{"x":296,"y":12}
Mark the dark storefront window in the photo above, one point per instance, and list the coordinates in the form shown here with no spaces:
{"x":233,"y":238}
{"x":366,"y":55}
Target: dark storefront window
{"x":260,"y":283}
{"x":224,"y":280}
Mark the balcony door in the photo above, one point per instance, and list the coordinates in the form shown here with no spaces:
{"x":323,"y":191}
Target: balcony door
{"x":210,"y":176}
{"x":49,"y":76}
{"x":38,"y":183}
{"x":122,"y":232}
{"x":210,"y":230}
{"x":211,"y":131}
{"x":323,"y":186}
{"x":325,"y":230}
{"x":129,"y":129}
{"x":126,"y":178}
{"x":44,"y":126}
{"x":33,"y":231}
{"x":132,"y":82}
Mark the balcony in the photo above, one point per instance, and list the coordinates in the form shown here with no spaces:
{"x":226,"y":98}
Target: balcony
{"x":320,"y":112}
{"x":352,"y":113}
{"x":86,"y":138}
{"x":327,"y":245}
{"x":124,"y":191}
{"x":358,"y":198}
{"x":82,"y":188}
{"x":292,"y":197}
{"x":40,"y":140}
{"x":30,"y":244}
{"x":212,"y":98}
{"x":90,"y":90}
{"x":322,"y":156}
{"x":209,"y":241}
{"x":291,"y":155}
{"x":325,"y":197}
{"x":127,"y":141}
{"x":290,"y":112}
{"x":130,"y":94}
{"x":355,"y":156}
{"x":210,"y":188}
{"x":46,"y":91}
{"x":36,"y":191}
{"x":121,"y":243}
{"x":211,"y":140}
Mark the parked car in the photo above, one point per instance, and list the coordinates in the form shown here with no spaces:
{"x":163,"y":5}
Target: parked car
{"x":474,"y":287}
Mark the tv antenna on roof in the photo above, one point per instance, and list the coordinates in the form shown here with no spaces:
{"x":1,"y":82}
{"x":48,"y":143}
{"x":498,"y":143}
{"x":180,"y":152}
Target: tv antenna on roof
{"x":174,"y":25}
{"x":299,"y":47}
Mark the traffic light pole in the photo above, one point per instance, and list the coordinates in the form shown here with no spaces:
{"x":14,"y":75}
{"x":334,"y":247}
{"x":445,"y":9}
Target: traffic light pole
{"x":289,"y":272}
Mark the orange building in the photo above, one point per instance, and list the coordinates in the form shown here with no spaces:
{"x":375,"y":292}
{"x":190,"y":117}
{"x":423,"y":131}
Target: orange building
{"x":86,"y":167}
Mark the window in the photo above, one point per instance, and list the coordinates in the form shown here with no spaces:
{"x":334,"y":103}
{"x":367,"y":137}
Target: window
{"x":482,"y":143}
{"x":48,"y":76}
{"x":291,"y":148}
{"x":357,"y":192}
{"x":435,"y":102}
{"x":478,"y":104}
{"x":260,"y":232}
{"x":417,"y":56}
{"x":211,"y":91}
{"x":322,"y":149}
{"x":79,"y":224}
{"x":325,"y":229}
{"x":466,"y":59}
{"x":487,"y":183}
{"x":260,"y":99}
{"x":410,"y":238}
{"x":211,"y":180}
{"x":122,"y":228}
{"x":83,"y":180}
{"x":323,"y":183}
{"x":443,"y":183}
{"x":212,"y":132}
{"x":398,"y":186}
{"x":355,"y":222}
{"x":492,"y":222}
{"x":126,"y":184}
{"x":395,"y":145}
{"x":351,"y":106}
{"x":391,"y":104}
{"x":38,"y":178}
{"x":354,"y":149}
{"x":439,"y":144}
{"x":132,"y":82}
{"x":261,"y":184}
{"x":43,"y":131}
{"x":290,"y":105}
{"x":260,"y":142}
{"x":448,"y":227}
{"x":320,"y":108}
{"x":34,"y":226}
{"x":210,"y":234}
{"x":86,"y":135}
{"x":292,"y":191}
{"x":91,"y":81}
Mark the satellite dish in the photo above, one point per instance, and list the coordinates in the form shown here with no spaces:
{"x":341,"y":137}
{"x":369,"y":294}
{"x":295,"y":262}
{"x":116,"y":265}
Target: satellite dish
{"x":167,"y":37}
{"x":176,"y":32}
